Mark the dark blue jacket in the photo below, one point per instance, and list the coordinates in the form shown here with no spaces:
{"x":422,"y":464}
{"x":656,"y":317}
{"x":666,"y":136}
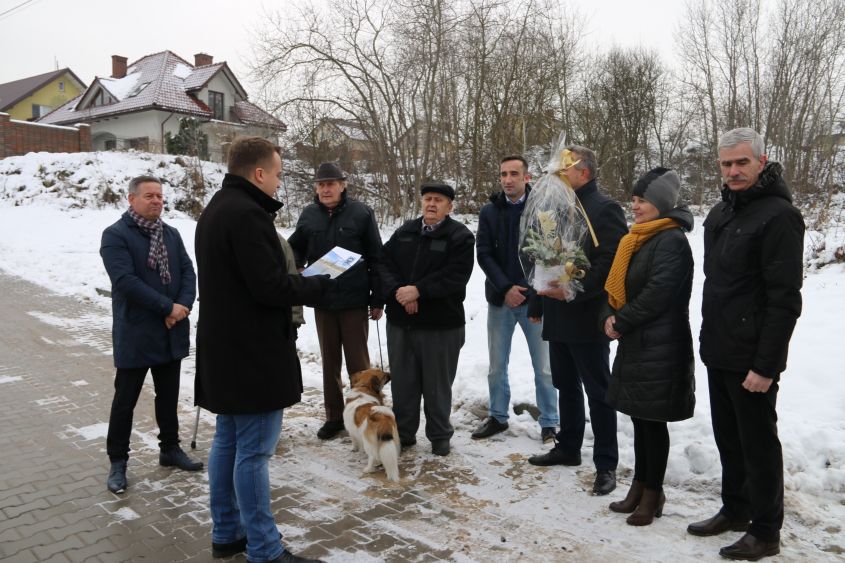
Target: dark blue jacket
{"x":494,"y":253}
{"x":140,"y":302}
{"x":578,"y":320}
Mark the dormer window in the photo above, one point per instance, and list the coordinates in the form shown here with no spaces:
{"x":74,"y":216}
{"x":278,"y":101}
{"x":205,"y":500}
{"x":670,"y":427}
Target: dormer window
{"x":137,"y":90}
{"x":101,"y":99}
{"x":215,"y":103}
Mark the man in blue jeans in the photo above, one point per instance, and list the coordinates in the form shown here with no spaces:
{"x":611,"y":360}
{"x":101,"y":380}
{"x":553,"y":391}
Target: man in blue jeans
{"x":247,"y":366}
{"x":510,"y":302}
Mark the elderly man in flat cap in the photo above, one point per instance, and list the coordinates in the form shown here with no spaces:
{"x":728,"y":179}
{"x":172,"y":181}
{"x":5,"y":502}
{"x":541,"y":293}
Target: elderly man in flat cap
{"x":342,"y":315}
{"x":428,"y":263}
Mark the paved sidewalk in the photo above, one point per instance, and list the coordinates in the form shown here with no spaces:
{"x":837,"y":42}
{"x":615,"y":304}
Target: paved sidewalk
{"x":55,"y":391}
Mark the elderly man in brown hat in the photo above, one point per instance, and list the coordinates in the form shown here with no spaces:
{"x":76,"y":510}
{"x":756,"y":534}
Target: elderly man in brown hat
{"x":341,"y":317}
{"x":428,"y":263}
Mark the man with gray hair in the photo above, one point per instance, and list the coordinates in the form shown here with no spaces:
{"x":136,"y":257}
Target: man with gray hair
{"x":753,"y":259}
{"x":153,"y":290}
{"x":578,"y":347}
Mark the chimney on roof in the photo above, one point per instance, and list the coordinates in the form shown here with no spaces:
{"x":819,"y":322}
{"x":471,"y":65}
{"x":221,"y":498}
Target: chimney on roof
{"x":203,"y":59}
{"x":118,"y":66}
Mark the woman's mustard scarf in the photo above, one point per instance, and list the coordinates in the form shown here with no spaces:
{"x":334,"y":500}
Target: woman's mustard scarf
{"x":630,"y":244}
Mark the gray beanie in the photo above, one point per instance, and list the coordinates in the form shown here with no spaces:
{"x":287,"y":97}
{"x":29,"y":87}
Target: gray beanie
{"x":660,"y":187}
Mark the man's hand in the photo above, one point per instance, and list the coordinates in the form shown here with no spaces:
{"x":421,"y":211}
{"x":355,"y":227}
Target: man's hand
{"x":406,"y":294}
{"x":611,"y":332}
{"x":412,"y":307}
{"x":179,"y":312}
{"x":756,"y":383}
{"x":557,"y":291}
{"x":375,"y":314}
{"x":514,"y":296}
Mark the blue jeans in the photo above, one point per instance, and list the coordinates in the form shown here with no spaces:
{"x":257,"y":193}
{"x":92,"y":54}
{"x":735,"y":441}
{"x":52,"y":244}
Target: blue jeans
{"x":239,"y":482}
{"x":501,"y":322}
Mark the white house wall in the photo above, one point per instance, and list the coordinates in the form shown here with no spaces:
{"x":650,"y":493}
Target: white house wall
{"x":134,"y":125}
{"x":220,"y":84}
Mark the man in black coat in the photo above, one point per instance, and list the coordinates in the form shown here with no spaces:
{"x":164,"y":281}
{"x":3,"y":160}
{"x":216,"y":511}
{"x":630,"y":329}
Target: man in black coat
{"x":428,"y":263}
{"x":247,"y":366}
{"x":753,"y":268}
{"x":153,"y":290}
{"x":510,"y":301}
{"x":578,"y":347}
{"x":341,"y":316}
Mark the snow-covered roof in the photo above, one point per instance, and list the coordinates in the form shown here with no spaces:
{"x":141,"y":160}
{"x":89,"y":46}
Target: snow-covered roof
{"x":162,"y":81}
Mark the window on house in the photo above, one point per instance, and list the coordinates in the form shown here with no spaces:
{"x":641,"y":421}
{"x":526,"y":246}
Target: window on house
{"x":215,"y":102}
{"x":39,"y":111}
{"x":61,"y":86}
{"x":110,"y":144}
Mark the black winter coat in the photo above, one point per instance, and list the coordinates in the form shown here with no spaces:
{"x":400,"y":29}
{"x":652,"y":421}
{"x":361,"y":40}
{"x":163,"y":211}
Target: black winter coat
{"x":654,"y":368}
{"x":493,"y":253}
{"x":246,"y":356}
{"x":753,"y":272}
{"x":351,"y":225}
{"x":578,"y":320}
{"x":140,"y":302}
{"x":438,"y":263}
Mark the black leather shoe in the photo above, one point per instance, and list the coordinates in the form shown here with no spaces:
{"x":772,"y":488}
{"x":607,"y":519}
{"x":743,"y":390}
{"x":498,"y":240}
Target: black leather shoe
{"x":547,"y":434}
{"x":716,"y":525}
{"x":440,"y":447}
{"x":220,"y":550}
{"x":288,"y":557}
{"x":175,"y":457}
{"x":117,"y":477}
{"x":488,"y":428}
{"x":408,"y":443}
{"x":555,"y":457}
{"x":605,"y":481}
{"x":330,"y":429}
{"x":750,"y":548}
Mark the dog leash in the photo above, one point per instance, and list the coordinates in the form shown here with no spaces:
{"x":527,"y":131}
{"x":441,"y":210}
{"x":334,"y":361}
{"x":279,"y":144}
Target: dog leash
{"x":378,"y":335}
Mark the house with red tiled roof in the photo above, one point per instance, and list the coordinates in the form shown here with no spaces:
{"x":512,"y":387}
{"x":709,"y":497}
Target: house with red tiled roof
{"x":139,"y":104}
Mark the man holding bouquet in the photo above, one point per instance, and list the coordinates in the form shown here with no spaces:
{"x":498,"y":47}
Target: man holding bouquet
{"x":579,"y":350}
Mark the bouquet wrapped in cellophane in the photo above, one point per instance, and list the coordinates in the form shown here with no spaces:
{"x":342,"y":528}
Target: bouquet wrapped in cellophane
{"x":552,"y":229}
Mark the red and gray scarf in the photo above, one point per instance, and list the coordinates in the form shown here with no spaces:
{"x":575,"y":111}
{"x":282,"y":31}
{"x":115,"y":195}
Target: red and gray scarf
{"x":157,"y":259}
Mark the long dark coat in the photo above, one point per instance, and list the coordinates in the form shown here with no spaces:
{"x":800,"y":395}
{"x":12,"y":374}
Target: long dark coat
{"x":577,"y":320}
{"x":753,"y":272}
{"x":654,"y":370}
{"x":246,"y":354}
{"x":140,"y":302}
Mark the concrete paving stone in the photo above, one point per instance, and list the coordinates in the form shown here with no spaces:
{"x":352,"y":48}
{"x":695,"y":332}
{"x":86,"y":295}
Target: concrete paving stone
{"x":57,"y":558}
{"x":383,"y":542}
{"x":17,"y":523}
{"x":12,"y":548}
{"x":44,"y":525}
{"x":10,"y":535}
{"x":87,"y":482}
{"x":8,"y":493}
{"x":342,"y":524}
{"x":64,"y":530}
{"x":90,"y":552}
{"x":46,"y":551}
{"x":318,"y":534}
{"x":44,"y":493}
{"x":25,"y":556}
{"x":15,"y":511}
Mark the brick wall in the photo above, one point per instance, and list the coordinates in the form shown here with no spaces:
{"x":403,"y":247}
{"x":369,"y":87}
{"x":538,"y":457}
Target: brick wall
{"x":21,"y":137}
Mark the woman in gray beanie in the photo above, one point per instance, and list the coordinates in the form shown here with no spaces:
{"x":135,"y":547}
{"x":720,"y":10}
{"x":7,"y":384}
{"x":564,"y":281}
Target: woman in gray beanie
{"x":649,"y":288}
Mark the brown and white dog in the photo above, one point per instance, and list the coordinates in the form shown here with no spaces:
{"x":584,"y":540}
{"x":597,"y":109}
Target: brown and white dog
{"x":370,"y":423}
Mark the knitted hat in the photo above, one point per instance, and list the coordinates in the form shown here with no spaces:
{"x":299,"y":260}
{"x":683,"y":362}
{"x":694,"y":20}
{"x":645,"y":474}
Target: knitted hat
{"x":660,"y":187}
{"x":329,"y":171}
{"x":439,"y":187}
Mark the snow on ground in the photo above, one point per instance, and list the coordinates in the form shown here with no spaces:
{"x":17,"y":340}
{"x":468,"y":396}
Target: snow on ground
{"x":53,"y":240}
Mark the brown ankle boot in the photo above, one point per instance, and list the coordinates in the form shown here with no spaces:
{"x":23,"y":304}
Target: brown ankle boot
{"x":650,"y":507}
{"x":632,"y":499}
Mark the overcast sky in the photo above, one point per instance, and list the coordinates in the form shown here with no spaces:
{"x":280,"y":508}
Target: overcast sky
{"x":84,"y":34}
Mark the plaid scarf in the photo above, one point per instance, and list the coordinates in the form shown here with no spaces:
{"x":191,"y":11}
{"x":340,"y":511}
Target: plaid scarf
{"x":628,"y":246}
{"x":157,"y":258}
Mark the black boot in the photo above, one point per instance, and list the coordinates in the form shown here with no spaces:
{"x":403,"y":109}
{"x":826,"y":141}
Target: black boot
{"x":175,"y":457}
{"x":632,"y":499}
{"x":117,"y":477}
{"x":650,"y":507}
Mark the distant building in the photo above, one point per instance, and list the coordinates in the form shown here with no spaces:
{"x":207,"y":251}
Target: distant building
{"x":341,"y":140}
{"x":140,"y":103}
{"x":28,"y":99}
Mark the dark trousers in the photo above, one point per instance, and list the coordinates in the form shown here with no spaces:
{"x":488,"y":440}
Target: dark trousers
{"x":577,"y":367}
{"x":423,"y":364}
{"x":338,"y":331}
{"x":746,"y":432}
{"x":127,"y":389}
{"x":651,"y":452}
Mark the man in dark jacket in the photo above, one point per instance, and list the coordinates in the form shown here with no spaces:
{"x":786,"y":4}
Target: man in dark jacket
{"x":578,"y":347}
{"x":428,"y":263}
{"x":153,"y":290}
{"x":753,"y":260}
{"x":247,"y":366}
{"x":510,"y":301}
{"x":341,"y":316}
